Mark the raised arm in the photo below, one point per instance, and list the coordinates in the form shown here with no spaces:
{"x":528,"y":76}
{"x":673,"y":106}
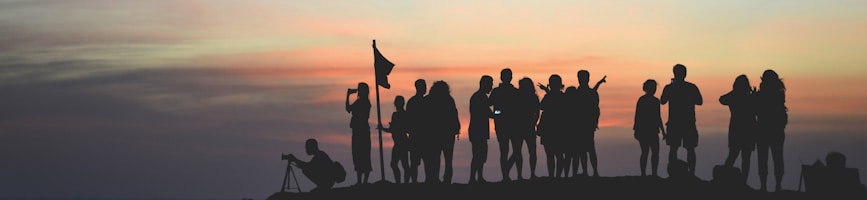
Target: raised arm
{"x":544,"y":88}
{"x":600,"y":82}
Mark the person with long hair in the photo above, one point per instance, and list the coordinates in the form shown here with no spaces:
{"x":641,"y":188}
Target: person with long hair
{"x":360,"y":110}
{"x":529,"y":104}
{"x":772,"y":117}
{"x":445,"y":127}
{"x":742,"y":122}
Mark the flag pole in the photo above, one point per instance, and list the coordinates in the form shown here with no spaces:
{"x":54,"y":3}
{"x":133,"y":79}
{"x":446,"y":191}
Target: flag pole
{"x":379,"y":124}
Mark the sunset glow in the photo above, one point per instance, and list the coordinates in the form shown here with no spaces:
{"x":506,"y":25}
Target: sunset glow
{"x":204,"y":94}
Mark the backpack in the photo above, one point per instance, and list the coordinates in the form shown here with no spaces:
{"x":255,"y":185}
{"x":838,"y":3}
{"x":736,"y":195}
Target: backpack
{"x":339,"y":172}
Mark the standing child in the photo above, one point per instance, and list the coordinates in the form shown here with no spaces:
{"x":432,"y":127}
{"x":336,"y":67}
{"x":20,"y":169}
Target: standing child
{"x":400,"y":150}
{"x":647,"y":126}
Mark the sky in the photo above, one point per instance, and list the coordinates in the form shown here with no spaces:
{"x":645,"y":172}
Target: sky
{"x":197,"y":99}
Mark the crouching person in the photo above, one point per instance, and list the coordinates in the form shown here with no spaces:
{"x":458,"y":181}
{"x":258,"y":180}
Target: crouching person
{"x":323,"y":171}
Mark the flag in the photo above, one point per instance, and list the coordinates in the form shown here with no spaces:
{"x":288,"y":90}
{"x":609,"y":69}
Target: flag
{"x":382,"y":66}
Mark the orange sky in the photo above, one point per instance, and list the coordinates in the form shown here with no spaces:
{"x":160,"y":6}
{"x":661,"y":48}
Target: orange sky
{"x":204,"y":83}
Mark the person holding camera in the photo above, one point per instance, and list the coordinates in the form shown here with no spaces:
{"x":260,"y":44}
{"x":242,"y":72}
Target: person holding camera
{"x":318,"y":169}
{"x":360,"y":110}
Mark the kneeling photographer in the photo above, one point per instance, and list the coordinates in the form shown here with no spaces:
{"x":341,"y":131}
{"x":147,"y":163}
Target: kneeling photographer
{"x":323,"y":171}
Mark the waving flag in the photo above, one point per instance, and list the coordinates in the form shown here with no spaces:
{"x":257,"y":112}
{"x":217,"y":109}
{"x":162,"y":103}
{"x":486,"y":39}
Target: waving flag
{"x":383,"y":67}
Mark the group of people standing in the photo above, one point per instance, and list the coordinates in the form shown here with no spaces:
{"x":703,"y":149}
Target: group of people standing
{"x":565,"y":119}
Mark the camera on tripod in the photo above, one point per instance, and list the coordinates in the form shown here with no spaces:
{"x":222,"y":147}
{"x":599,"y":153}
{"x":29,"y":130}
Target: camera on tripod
{"x":288,"y":157}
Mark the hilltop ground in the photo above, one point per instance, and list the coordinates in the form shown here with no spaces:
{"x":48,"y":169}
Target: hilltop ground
{"x":560,"y":188}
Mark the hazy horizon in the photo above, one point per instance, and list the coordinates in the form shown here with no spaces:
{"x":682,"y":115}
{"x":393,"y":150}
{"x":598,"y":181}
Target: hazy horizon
{"x":197,"y":99}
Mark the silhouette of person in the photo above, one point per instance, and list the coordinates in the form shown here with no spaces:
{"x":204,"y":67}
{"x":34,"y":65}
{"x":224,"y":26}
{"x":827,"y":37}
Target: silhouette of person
{"x":772,"y":118}
{"x":479,"y":130}
{"x":503,"y":98}
{"x":553,"y":125}
{"x":415,"y":109}
{"x":586,"y":101}
{"x":684,"y":96}
{"x":445,"y":125}
{"x":647,"y":126}
{"x":742,"y":123}
{"x":400,"y":150}
{"x":319,"y":168}
{"x":360,"y":110}
{"x":529,"y":105}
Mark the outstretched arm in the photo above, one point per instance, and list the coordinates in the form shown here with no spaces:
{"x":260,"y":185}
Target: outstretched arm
{"x":600,"y":82}
{"x":300,"y":163}
{"x":386,"y":129}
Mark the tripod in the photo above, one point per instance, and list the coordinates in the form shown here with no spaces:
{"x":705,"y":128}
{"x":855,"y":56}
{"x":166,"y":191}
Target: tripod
{"x":286,"y":181}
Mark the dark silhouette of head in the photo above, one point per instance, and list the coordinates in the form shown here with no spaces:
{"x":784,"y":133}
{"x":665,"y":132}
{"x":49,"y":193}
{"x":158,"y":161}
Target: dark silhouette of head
{"x":363,"y":90}
{"x":835,"y":160}
{"x":399,"y":102}
{"x":742,"y":84}
{"x":311,"y":146}
{"x":486,"y":83}
{"x":679,"y":72}
{"x":420,"y":87}
{"x":439,"y":88}
{"x":526,"y":84}
{"x":772,"y":82}
{"x":571,"y":89}
{"x":506,"y":75}
{"x":583,"y":77}
{"x":649,"y":86}
{"x":555,"y":83}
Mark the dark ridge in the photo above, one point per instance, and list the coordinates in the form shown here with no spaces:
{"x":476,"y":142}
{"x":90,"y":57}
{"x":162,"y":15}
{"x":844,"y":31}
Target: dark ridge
{"x":621,"y":187}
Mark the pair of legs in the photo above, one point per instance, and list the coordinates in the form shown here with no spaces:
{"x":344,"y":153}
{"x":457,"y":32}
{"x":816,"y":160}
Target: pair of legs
{"x":480,"y":156}
{"x":530,"y":139}
{"x":687,"y":136}
{"x":690,"y":156}
{"x":503,"y":143}
{"x":361,"y":155}
{"x":414,"y":163}
{"x":400,"y":158}
{"x":448,"y":151}
{"x":517,"y":159}
{"x":745,"y":160}
{"x":550,"y":157}
{"x":431,"y":158}
{"x":649,"y":148}
{"x":776,"y":148}
{"x":588,"y":150}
